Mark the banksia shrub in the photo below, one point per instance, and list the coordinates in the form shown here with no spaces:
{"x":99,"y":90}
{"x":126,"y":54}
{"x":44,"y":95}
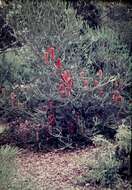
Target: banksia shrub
{"x":77,"y":86}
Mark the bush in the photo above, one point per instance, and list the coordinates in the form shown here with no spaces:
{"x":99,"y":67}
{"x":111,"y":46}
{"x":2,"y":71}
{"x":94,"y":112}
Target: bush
{"x":109,"y":166}
{"x":103,"y":168}
{"x":78,"y":79}
{"x":123,"y":138}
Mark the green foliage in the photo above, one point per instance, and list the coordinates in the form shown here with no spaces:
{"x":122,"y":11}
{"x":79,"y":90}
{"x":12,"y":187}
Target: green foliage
{"x":104,"y":168}
{"x":123,"y":138}
{"x":14,"y":74}
{"x":1,"y":129}
{"x":10,"y":179}
{"x":110,"y":161}
{"x":123,"y":149}
{"x":7,"y":166}
{"x":14,"y":71}
{"x":105,"y":172}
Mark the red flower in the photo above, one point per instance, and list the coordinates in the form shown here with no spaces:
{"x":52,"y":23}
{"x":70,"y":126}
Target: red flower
{"x":85,"y":84}
{"x":96,"y":82}
{"x":70,"y":84}
{"x":68,"y":92}
{"x":101,"y":92}
{"x":13,"y":98}
{"x":77,"y":115}
{"x":50,"y":104}
{"x":51,"y":51}
{"x":66,"y":76}
{"x":61,"y":89}
{"x":71,"y":128}
{"x":82,"y":74}
{"x":65,"y":89}
{"x":51,"y":120}
{"x":100,"y":74}
{"x":58,"y":65}
{"x":116,"y":97}
{"x":46,"y":57}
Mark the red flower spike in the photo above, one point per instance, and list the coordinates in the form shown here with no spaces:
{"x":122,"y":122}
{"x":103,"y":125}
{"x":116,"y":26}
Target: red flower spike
{"x":66,"y":76}
{"x":50,"y":104}
{"x":71,"y":128}
{"x":70,"y":84}
{"x":61,"y":89}
{"x":46,"y":57}
{"x":68,"y":92}
{"x":64,"y":90}
{"x":85,"y":84}
{"x":51,"y":120}
{"x":82,"y":74}
{"x":52,"y":53}
{"x":13,"y":98}
{"x":101,"y":92}
{"x":66,"y":87}
{"x":58,"y":65}
{"x":116,"y":92}
{"x":120,"y":99}
{"x":96,"y":82}
{"x":100,"y":74}
{"x":116,"y":97}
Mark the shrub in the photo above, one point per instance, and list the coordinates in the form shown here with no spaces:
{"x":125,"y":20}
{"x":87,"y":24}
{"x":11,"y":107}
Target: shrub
{"x":104,"y":167}
{"x":123,"y":137}
{"x":77,"y":87}
{"x":123,"y":149}
{"x":109,"y":166}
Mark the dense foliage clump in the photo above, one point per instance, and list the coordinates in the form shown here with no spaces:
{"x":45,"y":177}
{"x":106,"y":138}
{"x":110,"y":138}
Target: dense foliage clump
{"x":110,"y":167}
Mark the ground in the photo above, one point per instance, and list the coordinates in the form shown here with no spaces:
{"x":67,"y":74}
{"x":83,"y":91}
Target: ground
{"x":54,"y":170}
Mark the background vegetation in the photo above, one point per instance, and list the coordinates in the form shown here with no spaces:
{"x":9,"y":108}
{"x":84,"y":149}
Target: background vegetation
{"x":65,"y":83}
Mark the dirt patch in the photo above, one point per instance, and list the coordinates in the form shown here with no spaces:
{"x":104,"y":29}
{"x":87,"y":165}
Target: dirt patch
{"x":54,"y":170}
